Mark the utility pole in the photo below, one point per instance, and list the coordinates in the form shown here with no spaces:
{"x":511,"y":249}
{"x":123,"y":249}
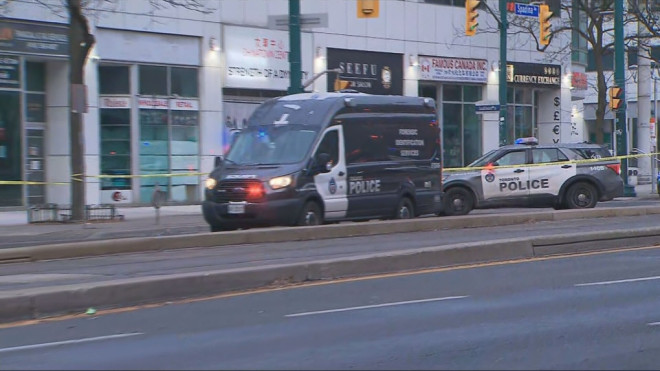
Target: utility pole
{"x":295,"y":75}
{"x":504,"y":25}
{"x":643,"y":106}
{"x":620,"y":80}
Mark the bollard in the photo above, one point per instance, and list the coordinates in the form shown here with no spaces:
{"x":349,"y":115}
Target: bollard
{"x":157,"y":199}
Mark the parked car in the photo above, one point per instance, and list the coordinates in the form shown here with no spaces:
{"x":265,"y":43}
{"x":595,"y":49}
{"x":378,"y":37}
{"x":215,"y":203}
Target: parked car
{"x":562,"y":175}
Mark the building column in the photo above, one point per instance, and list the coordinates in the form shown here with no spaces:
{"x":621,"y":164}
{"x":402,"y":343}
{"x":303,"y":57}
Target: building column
{"x":210,"y":99}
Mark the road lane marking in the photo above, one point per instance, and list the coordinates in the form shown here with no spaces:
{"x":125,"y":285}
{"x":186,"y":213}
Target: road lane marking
{"x":619,"y":281}
{"x":654,"y":324}
{"x":76,"y":341}
{"x":373,"y":306}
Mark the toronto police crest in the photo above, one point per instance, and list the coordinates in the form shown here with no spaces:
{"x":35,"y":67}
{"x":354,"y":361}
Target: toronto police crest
{"x":332,"y":186}
{"x":490,"y":177}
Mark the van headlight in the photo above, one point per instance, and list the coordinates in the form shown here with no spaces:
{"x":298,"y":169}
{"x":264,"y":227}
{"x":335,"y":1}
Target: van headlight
{"x":210,"y":183}
{"x":280,"y":182}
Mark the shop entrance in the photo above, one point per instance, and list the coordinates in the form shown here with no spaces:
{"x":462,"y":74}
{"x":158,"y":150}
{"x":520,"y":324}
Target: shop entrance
{"x":10,"y":148}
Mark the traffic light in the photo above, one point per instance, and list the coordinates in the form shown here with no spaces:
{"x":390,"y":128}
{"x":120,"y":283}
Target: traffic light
{"x":471,"y":15}
{"x":367,"y":8}
{"x":544,"y":24}
{"x":341,"y":84}
{"x":615,"y":98}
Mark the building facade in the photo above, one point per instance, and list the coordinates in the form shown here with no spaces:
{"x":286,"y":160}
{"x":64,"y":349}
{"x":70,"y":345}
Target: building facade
{"x":168,"y":87}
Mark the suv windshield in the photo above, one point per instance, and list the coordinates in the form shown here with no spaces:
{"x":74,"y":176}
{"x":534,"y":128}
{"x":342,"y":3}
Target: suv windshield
{"x":485,"y":159}
{"x":271,"y":145}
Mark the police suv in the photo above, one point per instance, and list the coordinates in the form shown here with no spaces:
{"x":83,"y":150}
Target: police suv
{"x":562,"y":175}
{"x":305,"y":159}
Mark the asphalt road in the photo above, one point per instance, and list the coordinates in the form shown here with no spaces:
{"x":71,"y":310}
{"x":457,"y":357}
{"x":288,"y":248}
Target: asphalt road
{"x":598,"y":311}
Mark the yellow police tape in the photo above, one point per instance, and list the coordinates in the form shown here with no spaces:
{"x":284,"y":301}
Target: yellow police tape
{"x":586,"y":161}
{"x":78,"y":178}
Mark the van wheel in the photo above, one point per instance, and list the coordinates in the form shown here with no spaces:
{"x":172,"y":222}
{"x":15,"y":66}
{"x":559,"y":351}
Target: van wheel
{"x":405,"y":209}
{"x":311,"y":214}
{"x":581,"y":195}
{"x":458,"y":201}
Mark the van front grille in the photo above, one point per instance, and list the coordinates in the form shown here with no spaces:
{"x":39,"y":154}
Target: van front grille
{"x":233,"y":190}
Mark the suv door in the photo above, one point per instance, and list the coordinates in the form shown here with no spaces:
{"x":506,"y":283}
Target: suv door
{"x":545,"y":177}
{"x":507,"y":178}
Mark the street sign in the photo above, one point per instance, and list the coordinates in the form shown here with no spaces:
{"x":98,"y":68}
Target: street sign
{"x":281,"y":22}
{"x":527,"y":10}
{"x":486,"y":106}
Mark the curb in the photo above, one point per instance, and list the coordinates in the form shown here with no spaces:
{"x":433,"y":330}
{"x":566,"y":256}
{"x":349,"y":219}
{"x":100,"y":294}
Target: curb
{"x":283,"y":234}
{"x":57,"y":300}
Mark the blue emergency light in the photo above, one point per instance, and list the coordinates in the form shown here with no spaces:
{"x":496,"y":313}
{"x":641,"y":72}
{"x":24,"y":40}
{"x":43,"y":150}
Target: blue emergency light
{"x":527,"y":140}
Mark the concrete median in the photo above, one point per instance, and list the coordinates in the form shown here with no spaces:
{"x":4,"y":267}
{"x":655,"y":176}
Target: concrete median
{"x":283,"y":234}
{"x":57,"y":300}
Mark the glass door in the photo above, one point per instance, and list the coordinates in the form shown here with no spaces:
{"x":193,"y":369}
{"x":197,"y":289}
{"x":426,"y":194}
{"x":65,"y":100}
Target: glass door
{"x":10,"y":148}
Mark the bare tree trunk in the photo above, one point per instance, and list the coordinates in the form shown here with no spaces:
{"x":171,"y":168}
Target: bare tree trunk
{"x":80,"y":43}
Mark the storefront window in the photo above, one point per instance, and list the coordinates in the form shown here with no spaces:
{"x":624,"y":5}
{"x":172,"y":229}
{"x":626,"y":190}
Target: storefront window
{"x":115,"y":147}
{"x":154,"y":151}
{"x":35,"y":75}
{"x":115,"y":122}
{"x":35,"y":167}
{"x":153,"y":80}
{"x":461,"y":125}
{"x":10,"y":148}
{"x":35,"y":97}
{"x":520,"y":113}
{"x":169,"y":132}
{"x":114,"y":80}
{"x":185,"y":154}
{"x":184,"y":82}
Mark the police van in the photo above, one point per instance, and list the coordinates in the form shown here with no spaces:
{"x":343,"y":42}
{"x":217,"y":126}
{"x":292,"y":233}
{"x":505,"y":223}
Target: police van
{"x":312,"y":158}
{"x":562,"y":175}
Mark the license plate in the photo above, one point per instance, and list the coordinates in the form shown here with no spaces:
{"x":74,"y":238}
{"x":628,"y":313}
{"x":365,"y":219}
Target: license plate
{"x":236,"y":208}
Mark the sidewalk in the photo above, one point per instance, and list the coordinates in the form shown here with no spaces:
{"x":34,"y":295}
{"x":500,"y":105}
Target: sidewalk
{"x":141,"y":222}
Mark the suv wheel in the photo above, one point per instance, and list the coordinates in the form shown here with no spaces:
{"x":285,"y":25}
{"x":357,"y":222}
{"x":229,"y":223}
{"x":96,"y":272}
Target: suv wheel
{"x":581,"y":196}
{"x":458,"y":201}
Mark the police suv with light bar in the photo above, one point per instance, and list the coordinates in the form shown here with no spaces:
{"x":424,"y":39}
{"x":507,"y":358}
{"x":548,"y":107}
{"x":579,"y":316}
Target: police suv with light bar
{"x":562,"y":175}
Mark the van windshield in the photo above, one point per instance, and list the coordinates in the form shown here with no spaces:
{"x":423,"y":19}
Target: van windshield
{"x":271,"y":145}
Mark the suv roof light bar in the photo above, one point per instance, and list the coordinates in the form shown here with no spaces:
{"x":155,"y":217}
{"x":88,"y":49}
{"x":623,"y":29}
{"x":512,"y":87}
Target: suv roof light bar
{"x":527,"y":140}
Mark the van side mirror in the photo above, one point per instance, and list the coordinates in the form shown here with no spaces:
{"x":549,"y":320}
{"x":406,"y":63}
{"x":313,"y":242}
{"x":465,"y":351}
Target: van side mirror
{"x":322,"y":163}
{"x":217,"y":161}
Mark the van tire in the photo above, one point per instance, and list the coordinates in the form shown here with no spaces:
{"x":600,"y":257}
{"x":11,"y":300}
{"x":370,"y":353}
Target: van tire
{"x":405,"y":209}
{"x":310,"y":215}
{"x":581,"y":195}
{"x":457,"y":201}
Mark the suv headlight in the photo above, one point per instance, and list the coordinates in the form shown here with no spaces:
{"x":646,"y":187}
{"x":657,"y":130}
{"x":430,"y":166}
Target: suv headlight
{"x":280,"y":182}
{"x":210,"y":183}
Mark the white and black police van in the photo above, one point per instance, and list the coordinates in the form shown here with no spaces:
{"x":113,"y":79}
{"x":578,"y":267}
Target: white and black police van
{"x":562,"y":175}
{"x":311,"y":158}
